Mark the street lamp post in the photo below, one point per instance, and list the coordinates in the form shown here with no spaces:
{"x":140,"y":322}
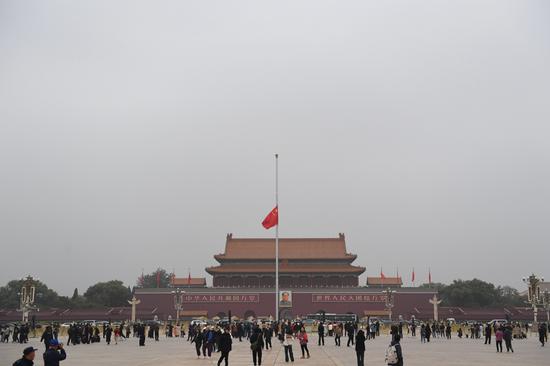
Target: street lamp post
{"x":178,"y":293}
{"x":389,"y":300}
{"x":533,"y":294}
{"x":27,"y":297}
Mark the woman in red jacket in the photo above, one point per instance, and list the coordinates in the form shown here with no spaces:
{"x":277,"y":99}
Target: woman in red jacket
{"x":302,"y":337}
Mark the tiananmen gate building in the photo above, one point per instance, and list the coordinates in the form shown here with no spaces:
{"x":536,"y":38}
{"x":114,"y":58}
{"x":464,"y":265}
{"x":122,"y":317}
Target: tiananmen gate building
{"x":315,"y":275}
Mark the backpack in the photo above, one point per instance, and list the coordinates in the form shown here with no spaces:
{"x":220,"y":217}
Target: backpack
{"x":391,"y":356}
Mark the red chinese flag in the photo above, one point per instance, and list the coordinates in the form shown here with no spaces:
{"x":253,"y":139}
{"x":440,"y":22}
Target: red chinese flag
{"x":271,"y":219}
{"x":189,"y":279}
{"x":382,"y":276}
{"x":430,"y":277}
{"x":413,"y":276}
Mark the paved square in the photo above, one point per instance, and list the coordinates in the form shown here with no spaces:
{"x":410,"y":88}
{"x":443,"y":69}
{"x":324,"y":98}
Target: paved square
{"x":174,"y":351}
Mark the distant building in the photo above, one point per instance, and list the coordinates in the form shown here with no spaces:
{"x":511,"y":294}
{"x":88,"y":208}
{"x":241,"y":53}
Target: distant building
{"x":193,"y":282}
{"x":385,"y":282}
{"x":303,"y":263}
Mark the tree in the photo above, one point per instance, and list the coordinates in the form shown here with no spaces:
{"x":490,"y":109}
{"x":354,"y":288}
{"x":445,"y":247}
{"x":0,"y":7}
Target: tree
{"x":111,"y":293}
{"x":438,"y":286}
{"x":471,"y":293}
{"x":75,"y":294}
{"x":159,"y":278}
{"x":45,"y":297}
{"x":509,"y":296}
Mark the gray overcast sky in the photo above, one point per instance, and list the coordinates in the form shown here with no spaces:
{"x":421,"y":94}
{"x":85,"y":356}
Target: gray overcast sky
{"x":137,"y":134}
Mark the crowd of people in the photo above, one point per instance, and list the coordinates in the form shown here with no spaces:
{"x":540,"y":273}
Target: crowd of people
{"x":18,"y":333}
{"x":209,"y":339}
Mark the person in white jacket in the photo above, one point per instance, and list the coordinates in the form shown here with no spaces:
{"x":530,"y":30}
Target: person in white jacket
{"x":287,"y":343}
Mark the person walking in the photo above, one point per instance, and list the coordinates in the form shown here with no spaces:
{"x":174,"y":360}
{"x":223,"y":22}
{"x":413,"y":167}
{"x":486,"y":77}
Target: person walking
{"x":28,"y":357}
{"x":351,"y":333}
{"x":508,"y":339}
{"x":47,"y":337}
{"x":107,"y":333}
{"x":394,"y":353}
{"x":225,"y":344}
{"x":268,"y":334}
{"x":337,"y":334}
{"x":54,"y":354}
{"x":360,"y":347}
{"x":117,"y":334}
{"x":198,"y":340}
{"x":542,"y":333}
{"x":256,"y":346}
{"x":303,"y":339}
{"x":499,"y":335}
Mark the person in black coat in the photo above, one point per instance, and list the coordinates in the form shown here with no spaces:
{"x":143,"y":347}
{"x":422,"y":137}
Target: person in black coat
{"x":47,"y":337}
{"x":321,"y":332}
{"x":256,"y":345}
{"x":141,"y":333}
{"x":268,"y":334}
{"x":108,"y":333}
{"x":54,"y":354}
{"x":198,"y":339}
{"x":225,"y":344}
{"x":360,"y":347}
{"x":488,"y":333}
{"x":28,"y":357}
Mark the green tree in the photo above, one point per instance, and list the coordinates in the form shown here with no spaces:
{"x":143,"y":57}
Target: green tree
{"x":150,"y":280}
{"x":75,"y":294}
{"x":509,"y":296}
{"x":45,"y":297}
{"x":438,"y":286}
{"x":111,"y":293}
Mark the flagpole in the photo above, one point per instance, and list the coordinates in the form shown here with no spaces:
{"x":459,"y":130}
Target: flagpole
{"x":277,"y":239}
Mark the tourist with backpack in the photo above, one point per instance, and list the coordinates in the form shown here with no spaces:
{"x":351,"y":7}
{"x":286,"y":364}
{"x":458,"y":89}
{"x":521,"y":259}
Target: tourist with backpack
{"x":256,"y":346}
{"x":394,"y":354}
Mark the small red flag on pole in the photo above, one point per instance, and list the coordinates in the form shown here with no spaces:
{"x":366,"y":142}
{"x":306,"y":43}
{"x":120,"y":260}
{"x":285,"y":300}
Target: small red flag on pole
{"x":272,"y":218}
{"x":382,"y":275}
{"x":413,"y":277}
{"x":430,"y":276}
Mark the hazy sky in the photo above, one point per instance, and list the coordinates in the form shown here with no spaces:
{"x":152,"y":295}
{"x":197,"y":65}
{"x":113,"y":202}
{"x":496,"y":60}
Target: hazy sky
{"x":137,"y":134}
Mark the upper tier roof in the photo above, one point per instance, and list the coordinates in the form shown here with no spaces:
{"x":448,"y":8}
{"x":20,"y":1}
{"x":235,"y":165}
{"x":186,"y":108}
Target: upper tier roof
{"x":289,"y":248}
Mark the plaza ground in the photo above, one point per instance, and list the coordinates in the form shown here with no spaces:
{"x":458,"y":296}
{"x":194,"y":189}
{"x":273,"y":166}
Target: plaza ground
{"x":174,"y":351}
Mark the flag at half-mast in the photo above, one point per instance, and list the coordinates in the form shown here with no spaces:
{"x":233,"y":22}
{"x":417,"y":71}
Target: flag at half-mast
{"x":272,"y":218}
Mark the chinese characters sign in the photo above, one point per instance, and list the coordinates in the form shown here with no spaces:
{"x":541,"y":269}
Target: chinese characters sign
{"x":206,"y":298}
{"x":348,"y":298}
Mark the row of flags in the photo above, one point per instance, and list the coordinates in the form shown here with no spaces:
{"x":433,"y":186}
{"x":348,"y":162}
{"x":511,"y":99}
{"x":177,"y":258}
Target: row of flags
{"x":413,"y":275}
{"x":272,"y":219}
